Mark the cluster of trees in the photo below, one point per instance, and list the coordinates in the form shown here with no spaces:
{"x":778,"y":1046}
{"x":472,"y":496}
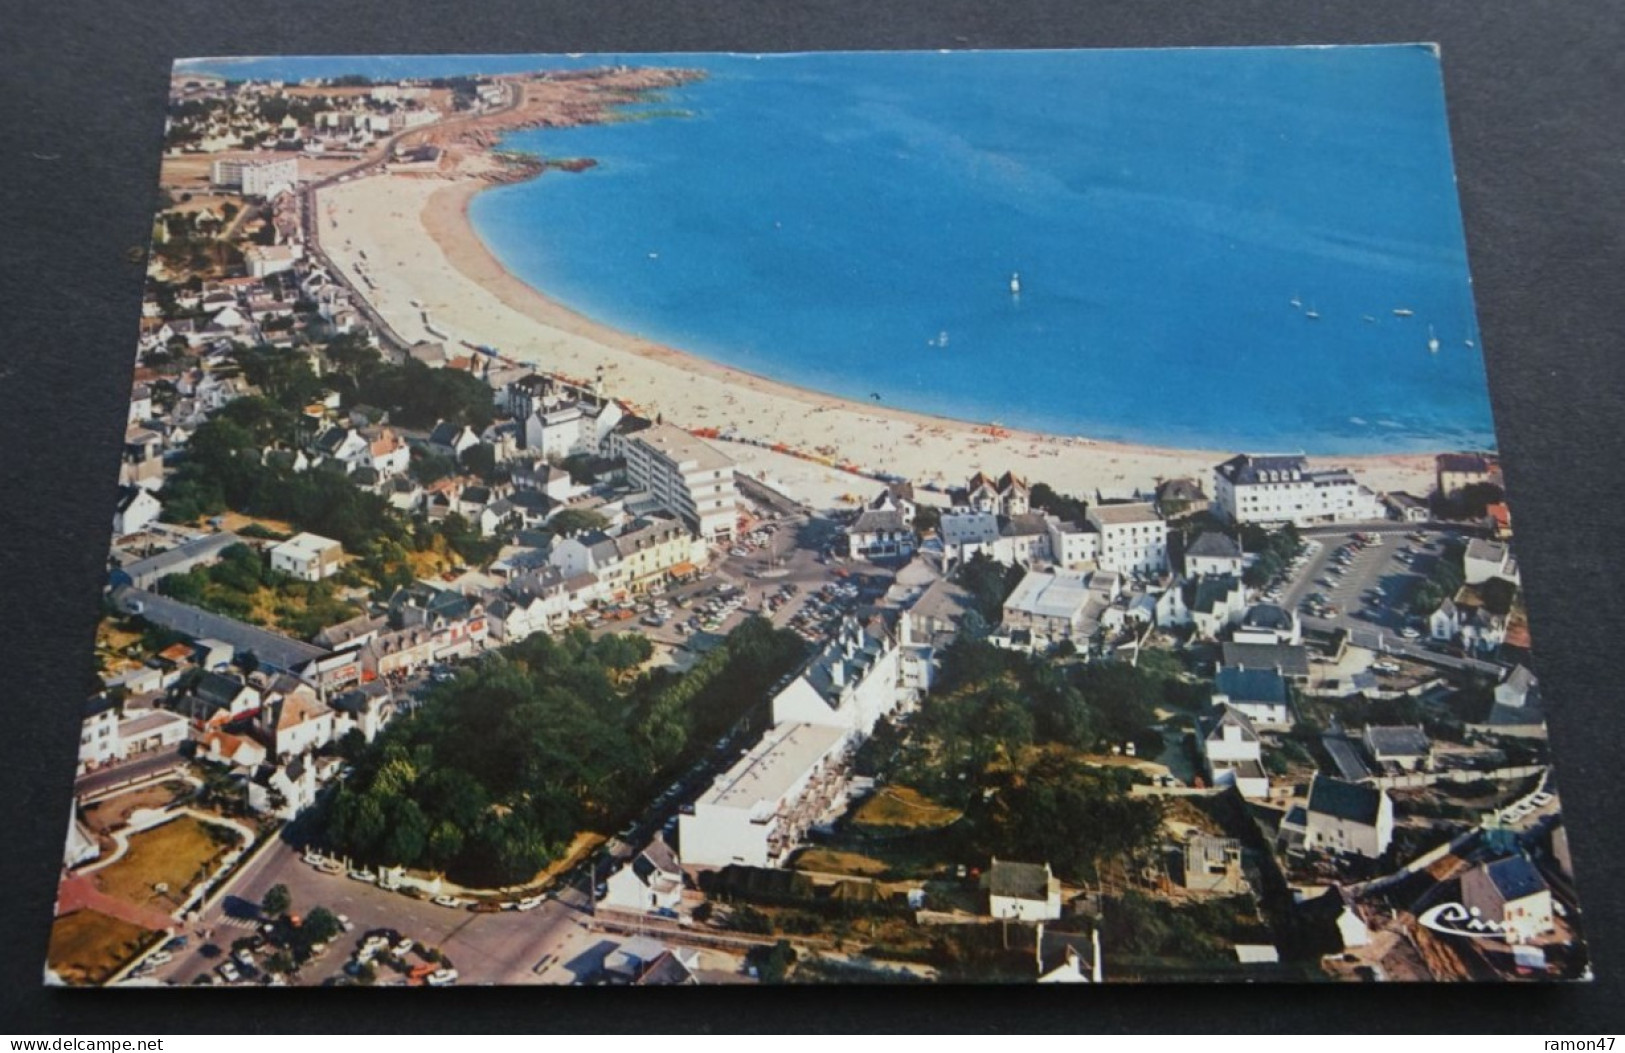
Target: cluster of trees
{"x":1275,"y":550}
{"x":1137,"y":925}
{"x":986,"y":740}
{"x":990,"y":583}
{"x":502,"y":767}
{"x":1443,"y":582}
{"x":1470,"y":502}
{"x":240,"y":580}
{"x":1062,"y":506}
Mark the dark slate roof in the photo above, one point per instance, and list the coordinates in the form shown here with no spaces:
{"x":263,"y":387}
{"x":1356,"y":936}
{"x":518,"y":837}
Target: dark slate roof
{"x":873,"y":520}
{"x":1267,"y":616}
{"x":1017,"y":880}
{"x":1290,"y":659}
{"x":1403,"y":741}
{"x":330,"y":440}
{"x":1251,"y":685}
{"x":1344,"y":800}
{"x":218,"y":688}
{"x":1346,"y":757}
{"x":1214,"y":545}
{"x":1208,"y":592}
{"x":1213,"y":722}
{"x":444,"y":433}
{"x":1244,"y":469}
{"x":1461,"y":462}
{"x":1515,"y":877}
{"x":1028,"y":524}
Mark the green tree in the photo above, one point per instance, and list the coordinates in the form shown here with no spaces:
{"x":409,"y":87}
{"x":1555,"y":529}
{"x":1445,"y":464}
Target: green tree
{"x":277,"y":901}
{"x":572,"y":521}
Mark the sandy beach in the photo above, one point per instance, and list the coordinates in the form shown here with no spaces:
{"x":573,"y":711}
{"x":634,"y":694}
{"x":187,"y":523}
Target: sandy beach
{"x":412,"y":239}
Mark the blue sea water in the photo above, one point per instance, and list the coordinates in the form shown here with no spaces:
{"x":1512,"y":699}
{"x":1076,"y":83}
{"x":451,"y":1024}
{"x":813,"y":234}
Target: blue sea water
{"x":851,"y":222}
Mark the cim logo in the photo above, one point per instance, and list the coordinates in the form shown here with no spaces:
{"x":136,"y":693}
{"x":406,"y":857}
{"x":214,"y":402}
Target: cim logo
{"x":1454,"y":919}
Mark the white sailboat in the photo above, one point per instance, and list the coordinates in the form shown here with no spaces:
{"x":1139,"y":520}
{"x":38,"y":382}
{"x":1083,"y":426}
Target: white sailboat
{"x":1403,"y":312}
{"x":1015,"y":284}
{"x":1433,"y":341}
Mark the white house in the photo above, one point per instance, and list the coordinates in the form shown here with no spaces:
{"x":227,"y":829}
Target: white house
{"x":297,"y":723}
{"x":1520,"y":688}
{"x":879,"y":534}
{"x":1261,"y":694}
{"x":652,"y":881}
{"x":1133,"y":538}
{"x":1022,"y":891}
{"x":1213,"y":553}
{"x":1267,"y":623}
{"x":1404,"y":747}
{"x":852,"y":683}
{"x":1234,"y":752}
{"x":1275,"y":489}
{"x":1510,"y":893}
{"x":137,"y":509}
{"x":1340,"y":817}
{"x":98,"y":735}
{"x":308,"y":557}
{"x":1484,"y":560}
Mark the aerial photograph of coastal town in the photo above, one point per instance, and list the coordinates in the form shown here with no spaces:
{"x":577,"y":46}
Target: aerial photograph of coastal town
{"x":661,"y":519}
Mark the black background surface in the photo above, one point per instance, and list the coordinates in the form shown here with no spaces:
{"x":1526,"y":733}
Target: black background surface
{"x":1535,"y":98}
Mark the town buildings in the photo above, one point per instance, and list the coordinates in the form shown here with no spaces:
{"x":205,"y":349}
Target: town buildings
{"x":1283,"y":489}
{"x":688,"y":477}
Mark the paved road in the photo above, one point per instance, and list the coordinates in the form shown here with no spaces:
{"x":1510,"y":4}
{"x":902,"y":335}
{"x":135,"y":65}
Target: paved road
{"x":502,"y":948}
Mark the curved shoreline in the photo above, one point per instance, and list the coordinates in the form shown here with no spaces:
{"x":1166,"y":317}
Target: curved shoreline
{"x":421,"y":246}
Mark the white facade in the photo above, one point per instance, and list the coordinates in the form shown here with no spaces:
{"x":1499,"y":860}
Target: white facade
{"x":255,"y":178}
{"x":1133,"y":538}
{"x":689,"y":478}
{"x":1249,"y":489}
{"x":308,"y":557}
{"x":754,"y":813}
{"x":853,"y":683}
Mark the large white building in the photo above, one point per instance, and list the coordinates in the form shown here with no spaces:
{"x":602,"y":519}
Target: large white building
{"x":851,"y":684}
{"x":688,"y":477}
{"x":256,"y":178}
{"x":1283,"y":489}
{"x":1133,"y":538}
{"x":755,"y":812}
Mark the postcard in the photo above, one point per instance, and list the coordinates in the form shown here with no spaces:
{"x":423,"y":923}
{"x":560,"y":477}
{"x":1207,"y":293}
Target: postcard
{"x":853,"y":517}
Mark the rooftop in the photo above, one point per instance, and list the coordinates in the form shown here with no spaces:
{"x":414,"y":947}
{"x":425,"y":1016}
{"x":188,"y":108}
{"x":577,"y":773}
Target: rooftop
{"x":1401,"y":741}
{"x":1289,"y":659}
{"x":1344,"y":800}
{"x":1018,"y":880}
{"x":765,"y":775}
{"x":1050,"y":594}
{"x":1117,"y":515}
{"x":683,"y":448}
{"x":1515,"y":877}
{"x":1250,"y":685}
{"x":1214,"y":546}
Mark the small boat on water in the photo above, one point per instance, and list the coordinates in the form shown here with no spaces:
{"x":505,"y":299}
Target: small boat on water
{"x":1015,"y":284}
{"x":1403,"y":312}
{"x":1312,"y":314}
{"x":1295,"y":301}
{"x":1433,"y":341}
{"x":940,"y":340}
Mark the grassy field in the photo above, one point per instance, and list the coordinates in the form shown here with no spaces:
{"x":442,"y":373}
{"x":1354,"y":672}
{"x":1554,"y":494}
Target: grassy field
{"x":87,"y":947}
{"x":903,"y":808}
{"x":175,"y":855}
{"x":834,"y":861}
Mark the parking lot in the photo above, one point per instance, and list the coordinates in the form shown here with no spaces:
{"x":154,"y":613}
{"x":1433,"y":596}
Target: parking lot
{"x":497,"y":948}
